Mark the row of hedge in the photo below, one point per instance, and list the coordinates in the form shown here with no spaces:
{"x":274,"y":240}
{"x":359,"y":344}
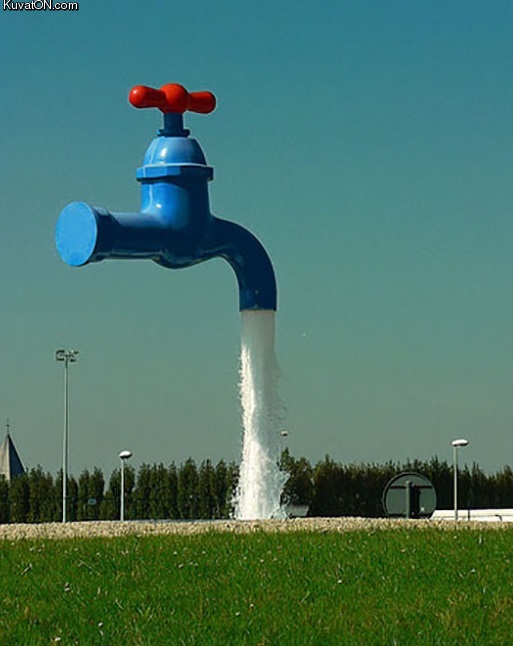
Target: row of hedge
{"x":189,"y":490}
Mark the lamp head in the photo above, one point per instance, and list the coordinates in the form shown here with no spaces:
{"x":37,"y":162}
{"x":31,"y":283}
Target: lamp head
{"x":460,"y":442}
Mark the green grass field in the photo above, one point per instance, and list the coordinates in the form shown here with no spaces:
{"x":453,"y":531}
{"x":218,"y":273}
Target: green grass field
{"x":399,"y":586}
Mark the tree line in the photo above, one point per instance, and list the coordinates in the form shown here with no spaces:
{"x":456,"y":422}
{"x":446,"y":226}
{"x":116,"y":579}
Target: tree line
{"x":334,"y":489}
{"x":207,"y":491}
{"x":156,"y":491}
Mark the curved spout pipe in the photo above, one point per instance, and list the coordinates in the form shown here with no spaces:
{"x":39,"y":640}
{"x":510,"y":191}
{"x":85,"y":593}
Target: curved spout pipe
{"x":86,"y":234}
{"x":250,"y":262}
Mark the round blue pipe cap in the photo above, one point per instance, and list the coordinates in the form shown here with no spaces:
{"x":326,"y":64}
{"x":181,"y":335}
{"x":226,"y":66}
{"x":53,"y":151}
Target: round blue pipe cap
{"x":76,"y":233}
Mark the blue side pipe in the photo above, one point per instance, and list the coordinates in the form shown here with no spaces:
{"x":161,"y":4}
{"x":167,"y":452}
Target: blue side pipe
{"x":175,"y":227}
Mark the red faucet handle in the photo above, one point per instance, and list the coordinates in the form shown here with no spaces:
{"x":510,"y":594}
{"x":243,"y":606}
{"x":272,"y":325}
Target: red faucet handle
{"x":172,"y":98}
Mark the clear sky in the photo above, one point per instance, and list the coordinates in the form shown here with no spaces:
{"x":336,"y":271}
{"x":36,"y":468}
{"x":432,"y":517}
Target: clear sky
{"x":367,"y":144}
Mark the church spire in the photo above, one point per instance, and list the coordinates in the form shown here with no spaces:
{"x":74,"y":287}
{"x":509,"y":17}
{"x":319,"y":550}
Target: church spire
{"x":10,"y":463}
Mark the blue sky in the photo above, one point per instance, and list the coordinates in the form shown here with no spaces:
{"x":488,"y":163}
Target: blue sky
{"x":367,"y":144}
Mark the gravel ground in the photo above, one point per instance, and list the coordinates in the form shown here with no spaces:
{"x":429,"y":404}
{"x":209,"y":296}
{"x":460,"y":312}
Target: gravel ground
{"x":117,"y":528}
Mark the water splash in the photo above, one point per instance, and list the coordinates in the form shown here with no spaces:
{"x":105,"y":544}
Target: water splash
{"x":260,"y":481}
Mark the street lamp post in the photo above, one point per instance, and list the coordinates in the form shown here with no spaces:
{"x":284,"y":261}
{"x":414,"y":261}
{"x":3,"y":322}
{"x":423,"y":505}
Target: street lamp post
{"x":282,"y":437}
{"x":67,"y":357}
{"x":455,"y":446}
{"x":123,"y":456}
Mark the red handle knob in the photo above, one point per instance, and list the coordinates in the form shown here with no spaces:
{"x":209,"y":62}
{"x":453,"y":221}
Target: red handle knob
{"x":172,"y":98}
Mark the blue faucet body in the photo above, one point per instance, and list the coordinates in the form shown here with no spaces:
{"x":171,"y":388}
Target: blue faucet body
{"x":175,"y":227}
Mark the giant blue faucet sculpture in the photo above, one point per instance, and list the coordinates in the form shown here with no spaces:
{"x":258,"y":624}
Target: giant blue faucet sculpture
{"x":175,"y":227}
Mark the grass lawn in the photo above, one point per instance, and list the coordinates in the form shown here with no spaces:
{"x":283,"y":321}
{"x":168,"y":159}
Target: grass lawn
{"x":399,"y":586}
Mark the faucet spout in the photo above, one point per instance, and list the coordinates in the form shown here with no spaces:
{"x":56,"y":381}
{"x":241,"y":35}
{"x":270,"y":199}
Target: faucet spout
{"x":86,"y":234}
{"x":250,"y":262}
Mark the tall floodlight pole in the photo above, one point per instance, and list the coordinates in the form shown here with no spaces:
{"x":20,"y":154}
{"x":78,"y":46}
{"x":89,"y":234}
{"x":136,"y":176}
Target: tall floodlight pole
{"x":67,"y":357}
{"x":123,"y":456}
{"x":455,"y":446}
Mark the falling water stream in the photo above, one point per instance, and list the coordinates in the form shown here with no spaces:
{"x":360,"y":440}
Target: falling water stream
{"x":261,"y":481}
